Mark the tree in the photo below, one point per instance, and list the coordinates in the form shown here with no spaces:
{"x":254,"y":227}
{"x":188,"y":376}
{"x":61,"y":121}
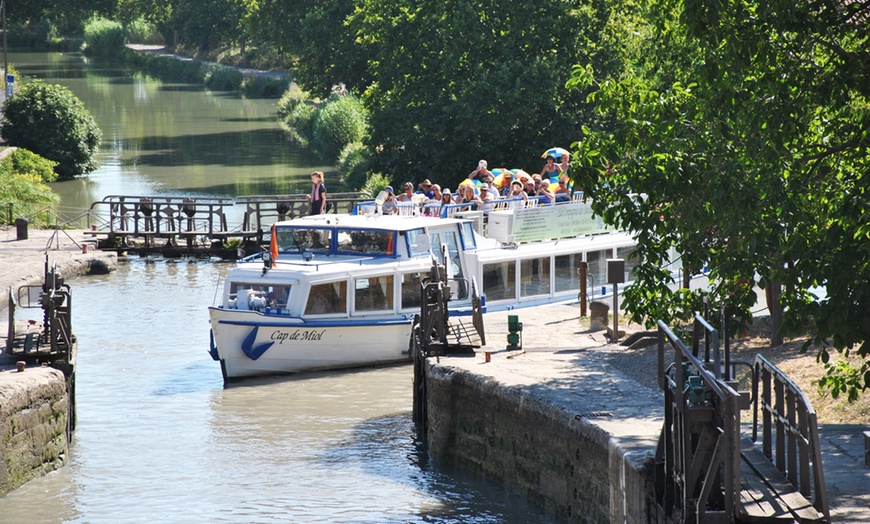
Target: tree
{"x":22,"y":184}
{"x":750,"y":159}
{"x":52,"y":122}
{"x":452,"y":82}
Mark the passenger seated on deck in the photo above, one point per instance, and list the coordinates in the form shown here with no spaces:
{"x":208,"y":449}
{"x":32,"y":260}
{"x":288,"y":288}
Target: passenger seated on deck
{"x":389,"y":207}
{"x":517,"y":192}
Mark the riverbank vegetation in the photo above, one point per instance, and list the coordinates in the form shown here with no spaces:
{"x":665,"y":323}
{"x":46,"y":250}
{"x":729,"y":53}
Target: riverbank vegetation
{"x":51,"y":121}
{"x":23,"y":189}
{"x":735,"y":134}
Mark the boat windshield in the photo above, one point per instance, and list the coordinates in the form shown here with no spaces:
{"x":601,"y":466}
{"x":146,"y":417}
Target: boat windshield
{"x":298,"y":239}
{"x":256,"y":296}
{"x":370,"y":242}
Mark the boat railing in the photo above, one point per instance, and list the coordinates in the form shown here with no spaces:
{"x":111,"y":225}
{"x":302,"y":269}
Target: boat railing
{"x":262,"y":210}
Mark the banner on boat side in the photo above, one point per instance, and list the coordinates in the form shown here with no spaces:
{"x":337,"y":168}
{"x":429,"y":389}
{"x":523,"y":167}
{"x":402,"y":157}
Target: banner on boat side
{"x":545,"y":222}
{"x":256,"y":344}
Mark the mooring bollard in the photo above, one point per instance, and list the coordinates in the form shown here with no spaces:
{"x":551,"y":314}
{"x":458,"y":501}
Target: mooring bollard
{"x":21,"y":228}
{"x":20,"y":365}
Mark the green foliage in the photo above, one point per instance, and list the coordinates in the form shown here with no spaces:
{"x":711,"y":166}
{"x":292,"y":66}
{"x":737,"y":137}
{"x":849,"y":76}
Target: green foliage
{"x":140,"y":31}
{"x":224,"y":79}
{"x":299,"y":124}
{"x":451,"y":82}
{"x":353,"y":164}
{"x":26,"y":162}
{"x":747,"y":155}
{"x":205,"y":25}
{"x":376,"y":183}
{"x":291,"y":98}
{"x":257,"y":86}
{"x":841,"y":377}
{"x":52,"y":122}
{"x":24,"y":192}
{"x":32,"y":34}
{"x":104,"y":37}
{"x":341,"y":120}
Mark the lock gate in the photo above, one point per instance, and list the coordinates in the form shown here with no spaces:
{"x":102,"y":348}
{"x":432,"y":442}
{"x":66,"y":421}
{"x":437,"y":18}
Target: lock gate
{"x":707,"y":471}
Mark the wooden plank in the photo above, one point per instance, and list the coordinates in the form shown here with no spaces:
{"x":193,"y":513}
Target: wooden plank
{"x":800,"y":507}
{"x":758,"y":503}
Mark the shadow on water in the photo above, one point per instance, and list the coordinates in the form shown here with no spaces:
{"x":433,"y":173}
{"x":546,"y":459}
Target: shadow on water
{"x":268,"y":119}
{"x":375,"y":443}
{"x":181,"y":88}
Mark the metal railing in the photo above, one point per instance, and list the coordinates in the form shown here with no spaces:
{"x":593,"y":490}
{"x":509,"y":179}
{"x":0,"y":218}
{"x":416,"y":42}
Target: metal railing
{"x":789,"y":432}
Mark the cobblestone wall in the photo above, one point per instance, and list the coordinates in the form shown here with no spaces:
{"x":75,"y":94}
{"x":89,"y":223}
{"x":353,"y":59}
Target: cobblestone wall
{"x":33,"y":425}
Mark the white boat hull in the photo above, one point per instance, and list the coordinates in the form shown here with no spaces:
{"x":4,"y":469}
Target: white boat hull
{"x":250,"y":343}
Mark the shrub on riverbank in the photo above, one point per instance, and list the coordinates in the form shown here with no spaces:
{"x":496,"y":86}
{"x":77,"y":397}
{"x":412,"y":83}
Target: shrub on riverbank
{"x":256,"y":86}
{"x":353,"y":164}
{"x":104,"y":37}
{"x":23,"y":192}
{"x":339,"y":121}
{"x":52,"y":122}
{"x":140,"y":31}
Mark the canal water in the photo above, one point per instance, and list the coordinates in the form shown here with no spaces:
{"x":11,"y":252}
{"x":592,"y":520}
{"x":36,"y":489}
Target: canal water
{"x":173,"y":139}
{"x":159,"y":438}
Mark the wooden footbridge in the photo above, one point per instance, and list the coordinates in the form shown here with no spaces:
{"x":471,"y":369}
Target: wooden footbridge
{"x":710,"y":468}
{"x":182,"y":226}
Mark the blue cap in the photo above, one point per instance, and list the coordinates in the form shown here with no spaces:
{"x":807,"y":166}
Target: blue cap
{"x":388,"y":188}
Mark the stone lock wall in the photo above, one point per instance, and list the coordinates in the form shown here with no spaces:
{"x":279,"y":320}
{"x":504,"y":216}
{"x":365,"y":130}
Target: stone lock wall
{"x":572,"y":468}
{"x":34,"y":408}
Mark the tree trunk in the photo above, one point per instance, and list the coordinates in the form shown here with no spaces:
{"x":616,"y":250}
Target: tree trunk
{"x":773,"y":291}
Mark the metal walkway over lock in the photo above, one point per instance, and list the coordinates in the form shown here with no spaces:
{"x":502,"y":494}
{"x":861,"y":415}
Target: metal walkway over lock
{"x":118,"y":221}
{"x":706,"y":470}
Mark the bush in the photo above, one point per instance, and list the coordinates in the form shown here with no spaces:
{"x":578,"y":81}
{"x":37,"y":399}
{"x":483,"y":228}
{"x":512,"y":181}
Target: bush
{"x":300,"y":122}
{"x":36,"y":34}
{"x":340,"y":121}
{"x":104,"y":37}
{"x":259,"y":86}
{"x":353,"y":163}
{"x":224,"y":79}
{"x":140,"y":31}
{"x":53,"y":123}
{"x":25,"y":193}
{"x":29,"y":163}
{"x":376,"y":183}
{"x":291,"y":98}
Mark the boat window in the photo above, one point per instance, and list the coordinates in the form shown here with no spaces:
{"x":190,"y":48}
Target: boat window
{"x":418,"y":242}
{"x":327,"y":299}
{"x":297,"y":239}
{"x":467,"y":234}
{"x":257,"y":296}
{"x":625,"y":253}
{"x":597,"y":261}
{"x":412,"y":289}
{"x":534,"y":277}
{"x":500,"y":280}
{"x":373,"y":294}
{"x":366,"y":241}
{"x":567,"y":277}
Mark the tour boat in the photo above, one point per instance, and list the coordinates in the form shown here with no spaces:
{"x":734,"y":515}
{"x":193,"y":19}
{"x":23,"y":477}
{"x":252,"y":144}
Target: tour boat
{"x":340,"y":291}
